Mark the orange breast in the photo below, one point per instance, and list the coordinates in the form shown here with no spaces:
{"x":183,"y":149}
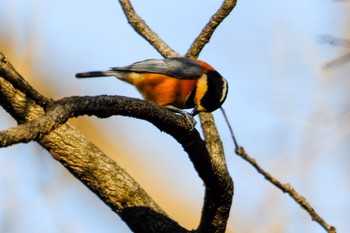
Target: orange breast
{"x":165,"y":90}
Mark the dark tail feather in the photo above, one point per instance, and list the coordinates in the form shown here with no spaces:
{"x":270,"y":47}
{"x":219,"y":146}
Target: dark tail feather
{"x":94,"y":74}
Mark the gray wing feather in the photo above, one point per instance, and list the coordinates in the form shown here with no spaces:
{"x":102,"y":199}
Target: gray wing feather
{"x":177,"y":67}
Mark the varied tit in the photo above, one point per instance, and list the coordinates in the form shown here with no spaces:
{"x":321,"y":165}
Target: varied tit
{"x":175,"y":83}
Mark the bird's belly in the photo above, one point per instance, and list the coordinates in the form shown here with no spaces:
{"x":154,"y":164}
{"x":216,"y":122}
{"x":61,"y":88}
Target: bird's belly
{"x":164,"y":90}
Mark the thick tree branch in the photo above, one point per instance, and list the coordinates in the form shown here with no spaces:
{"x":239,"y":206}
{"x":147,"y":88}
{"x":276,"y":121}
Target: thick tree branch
{"x":225,"y":191}
{"x":58,"y":112}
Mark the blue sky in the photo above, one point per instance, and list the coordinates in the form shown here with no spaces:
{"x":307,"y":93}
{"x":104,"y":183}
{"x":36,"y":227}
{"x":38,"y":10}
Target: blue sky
{"x":288,"y":112}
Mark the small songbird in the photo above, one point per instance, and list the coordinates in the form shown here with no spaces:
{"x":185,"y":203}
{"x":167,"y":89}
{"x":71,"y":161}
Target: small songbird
{"x":176,"y":83}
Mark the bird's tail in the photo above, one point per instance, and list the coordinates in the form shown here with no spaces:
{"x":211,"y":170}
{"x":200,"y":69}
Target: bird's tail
{"x":93,"y":74}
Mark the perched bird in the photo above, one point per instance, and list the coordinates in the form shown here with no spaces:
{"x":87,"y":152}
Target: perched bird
{"x":176,"y":83}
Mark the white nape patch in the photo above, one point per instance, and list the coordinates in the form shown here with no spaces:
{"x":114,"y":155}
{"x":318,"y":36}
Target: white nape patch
{"x":224,"y":91}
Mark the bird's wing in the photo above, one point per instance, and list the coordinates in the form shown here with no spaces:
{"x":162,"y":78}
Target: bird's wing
{"x":177,"y":67}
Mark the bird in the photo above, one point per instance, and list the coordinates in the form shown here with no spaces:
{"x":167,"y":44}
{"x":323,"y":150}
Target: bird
{"x":175,"y":83}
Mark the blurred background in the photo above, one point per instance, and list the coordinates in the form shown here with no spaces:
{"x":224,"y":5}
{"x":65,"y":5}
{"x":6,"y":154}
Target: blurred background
{"x":289,"y":112}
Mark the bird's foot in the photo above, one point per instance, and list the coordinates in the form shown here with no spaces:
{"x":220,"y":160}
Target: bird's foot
{"x":188,"y":116}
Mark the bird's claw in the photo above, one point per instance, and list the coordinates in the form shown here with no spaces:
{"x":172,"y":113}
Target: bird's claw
{"x":190,"y":120}
{"x":188,"y":116}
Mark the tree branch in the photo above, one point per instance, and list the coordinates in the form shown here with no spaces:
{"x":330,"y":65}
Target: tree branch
{"x":58,"y":112}
{"x":140,"y":26}
{"x":337,"y":42}
{"x":207,"y":32}
{"x":286,"y":188}
{"x":224,"y":192}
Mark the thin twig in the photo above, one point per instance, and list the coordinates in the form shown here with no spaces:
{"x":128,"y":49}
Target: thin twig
{"x":229,"y":127}
{"x":334,"y":41}
{"x":338,"y":61}
{"x":337,"y":42}
{"x":286,"y":188}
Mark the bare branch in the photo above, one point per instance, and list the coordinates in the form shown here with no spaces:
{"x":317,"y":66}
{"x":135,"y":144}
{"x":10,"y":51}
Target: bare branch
{"x":338,"y":61}
{"x":334,"y":41}
{"x":58,"y":112}
{"x":215,"y":147}
{"x":337,"y":42}
{"x":286,"y":188}
{"x":140,"y":26}
{"x":204,"y":37}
